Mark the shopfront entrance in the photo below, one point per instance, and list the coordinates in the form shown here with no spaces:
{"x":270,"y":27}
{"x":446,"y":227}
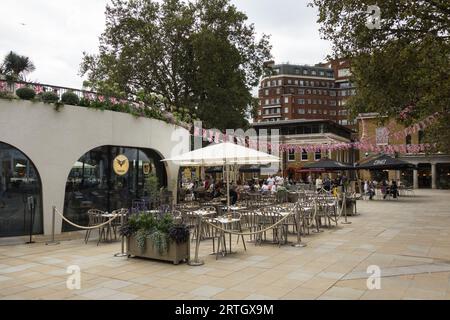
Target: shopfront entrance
{"x":424,"y":175}
{"x":108,"y":178}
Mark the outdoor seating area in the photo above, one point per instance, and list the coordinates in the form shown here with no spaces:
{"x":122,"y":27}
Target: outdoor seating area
{"x":332,"y":265}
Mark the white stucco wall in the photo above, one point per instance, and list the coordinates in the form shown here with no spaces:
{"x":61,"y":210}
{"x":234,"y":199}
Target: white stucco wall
{"x":54,"y":141}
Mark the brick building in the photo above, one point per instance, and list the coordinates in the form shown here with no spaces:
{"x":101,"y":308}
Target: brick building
{"x":433,"y":170}
{"x":307,"y":132}
{"x":304,"y":92}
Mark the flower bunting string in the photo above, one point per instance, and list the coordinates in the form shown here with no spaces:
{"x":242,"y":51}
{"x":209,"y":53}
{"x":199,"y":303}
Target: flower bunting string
{"x":211,"y":135}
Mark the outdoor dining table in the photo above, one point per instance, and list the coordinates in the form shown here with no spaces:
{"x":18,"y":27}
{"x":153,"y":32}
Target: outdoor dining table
{"x":226,"y":224}
{"x":204,"y":233}
{"x":234,"y":208}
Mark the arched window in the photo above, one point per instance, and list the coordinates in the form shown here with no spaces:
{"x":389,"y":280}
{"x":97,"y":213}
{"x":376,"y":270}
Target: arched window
{"x":408,"y":139}
{"x":421,"y":136}
{"x":20,"y":194}
{"x":94,"y":183}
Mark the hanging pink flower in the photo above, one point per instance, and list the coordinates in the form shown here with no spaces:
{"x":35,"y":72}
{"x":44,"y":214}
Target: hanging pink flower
{"x":3,"y":85}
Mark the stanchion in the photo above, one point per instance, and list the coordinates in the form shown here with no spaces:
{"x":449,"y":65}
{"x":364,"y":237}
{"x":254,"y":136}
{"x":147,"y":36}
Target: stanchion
{"x":299,"y":243}
{"x":196,"y":261}
{"x":344,"y":205}
{"x":31,"y":207}
{"x":122,"y":252}
{"x":53,"y":242}
{"x":318,"y":230}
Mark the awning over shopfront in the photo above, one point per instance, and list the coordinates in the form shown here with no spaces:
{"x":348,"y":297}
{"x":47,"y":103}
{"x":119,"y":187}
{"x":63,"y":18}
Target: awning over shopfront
{"x":216,"y":169}
{"x":252,"y":168}
{"x":385,"y":162}
{"x":326,"y":164}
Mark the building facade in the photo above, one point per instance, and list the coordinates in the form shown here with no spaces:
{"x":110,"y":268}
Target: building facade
{"x":306,"y":92}
{"x":433,"y":170}
{"x":65,"y":159}
{"x":307,"y":133}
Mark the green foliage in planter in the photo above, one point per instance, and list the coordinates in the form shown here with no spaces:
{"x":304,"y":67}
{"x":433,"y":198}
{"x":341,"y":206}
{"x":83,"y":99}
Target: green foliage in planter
{"x":70,"y":98}
{"x":6,"y":95}
{"x":152,"y":187}
{"x":141,"y":237}
{"x":160,"y":241}
{"x":159,"y":229}
{"x":49,"y":97}
{"x":26,"y":93}
{"x":84,"y":102}
{"x":179,"y":234}
{"x":58,"y":106}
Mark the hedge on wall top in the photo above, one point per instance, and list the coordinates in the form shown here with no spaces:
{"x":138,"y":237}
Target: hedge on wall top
{"x":49,"y":97}
{"x":25,"y":93}
{"x":70,"y":98}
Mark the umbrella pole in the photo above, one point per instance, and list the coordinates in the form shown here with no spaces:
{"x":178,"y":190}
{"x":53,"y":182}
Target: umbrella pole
{"x":227,"y":170}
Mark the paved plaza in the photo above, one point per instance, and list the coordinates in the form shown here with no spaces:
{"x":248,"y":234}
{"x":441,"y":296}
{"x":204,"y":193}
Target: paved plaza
{"x":407,"y":238}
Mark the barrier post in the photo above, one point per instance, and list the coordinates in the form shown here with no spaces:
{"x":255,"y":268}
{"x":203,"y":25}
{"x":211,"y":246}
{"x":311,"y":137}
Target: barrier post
{"x":53,"y":242}
{"x":344,"y":205}
{"x":122,"y":249}
{"x":299,"y":243}
{"x":196,"y":261}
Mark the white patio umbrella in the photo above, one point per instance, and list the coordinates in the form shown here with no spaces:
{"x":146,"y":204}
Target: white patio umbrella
{"x":223,"y":154}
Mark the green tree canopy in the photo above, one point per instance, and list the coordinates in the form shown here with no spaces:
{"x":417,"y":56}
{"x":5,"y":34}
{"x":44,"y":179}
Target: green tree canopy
{"x":202,"y":58}
{"x":16,"y":67}
{"x":404,"y":62}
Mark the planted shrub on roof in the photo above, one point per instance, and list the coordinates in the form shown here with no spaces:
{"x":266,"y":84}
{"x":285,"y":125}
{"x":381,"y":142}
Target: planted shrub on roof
{"x":25,"y":93}
{"x":49,"y":97}
{"x":70,"y":98}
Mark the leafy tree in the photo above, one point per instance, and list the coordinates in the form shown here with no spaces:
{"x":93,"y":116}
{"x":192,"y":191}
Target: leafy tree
{"x":404,"y":62}
{"x":199,"y":57}
{"x":16,"y":67}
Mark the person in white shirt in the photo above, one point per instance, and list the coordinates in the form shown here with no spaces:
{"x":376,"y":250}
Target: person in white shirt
{"x":319,"y":183}
{"x":274,"y":189}
{"x":366,"y":187}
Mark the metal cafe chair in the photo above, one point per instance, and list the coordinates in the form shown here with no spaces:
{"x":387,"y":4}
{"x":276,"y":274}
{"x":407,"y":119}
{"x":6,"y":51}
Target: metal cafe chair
{"x":94,"y":216}
{"x":115,"y":224}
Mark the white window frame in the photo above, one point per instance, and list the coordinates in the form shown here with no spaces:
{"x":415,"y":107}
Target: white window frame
{"x":318,"y":153}
{"x":291,"y":153}
{"x":303,"y":153}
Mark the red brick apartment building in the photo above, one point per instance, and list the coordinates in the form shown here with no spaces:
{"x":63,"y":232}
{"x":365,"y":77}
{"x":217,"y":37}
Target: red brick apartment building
{"x":305,"y":92}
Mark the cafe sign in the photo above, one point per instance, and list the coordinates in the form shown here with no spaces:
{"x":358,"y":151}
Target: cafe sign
{"x":146,"y":168}
{"x":121,"y":165}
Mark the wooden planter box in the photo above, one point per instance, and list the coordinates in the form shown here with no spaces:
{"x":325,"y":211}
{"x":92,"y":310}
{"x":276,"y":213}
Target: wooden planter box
{"x":175,"y":252}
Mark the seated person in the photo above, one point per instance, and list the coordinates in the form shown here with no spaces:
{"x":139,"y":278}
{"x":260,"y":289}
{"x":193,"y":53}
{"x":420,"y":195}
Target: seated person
{"x":273,"y":189}
{"x":233,"y":196}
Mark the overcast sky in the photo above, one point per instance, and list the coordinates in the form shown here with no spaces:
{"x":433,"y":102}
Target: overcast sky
{"x":54,"y":33}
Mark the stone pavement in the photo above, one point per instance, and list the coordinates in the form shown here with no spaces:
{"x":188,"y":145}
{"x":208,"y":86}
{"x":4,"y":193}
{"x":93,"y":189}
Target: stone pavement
{"x":408,"y":239}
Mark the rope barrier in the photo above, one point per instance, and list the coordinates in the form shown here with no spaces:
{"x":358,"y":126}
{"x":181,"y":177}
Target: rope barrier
{"x":84,"y":227}
{"x":249,"y":233}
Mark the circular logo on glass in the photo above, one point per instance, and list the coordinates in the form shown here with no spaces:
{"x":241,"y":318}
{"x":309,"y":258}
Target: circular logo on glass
{"x":121,"y":165}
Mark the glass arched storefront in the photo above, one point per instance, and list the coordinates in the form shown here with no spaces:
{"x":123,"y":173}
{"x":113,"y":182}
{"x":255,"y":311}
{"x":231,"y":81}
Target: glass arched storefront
{"x":20,"y":185}
{"x":94,"y":183}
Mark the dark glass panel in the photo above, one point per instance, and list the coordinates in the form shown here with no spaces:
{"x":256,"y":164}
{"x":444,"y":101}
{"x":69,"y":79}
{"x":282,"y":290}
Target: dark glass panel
{"x":19,"y":180}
